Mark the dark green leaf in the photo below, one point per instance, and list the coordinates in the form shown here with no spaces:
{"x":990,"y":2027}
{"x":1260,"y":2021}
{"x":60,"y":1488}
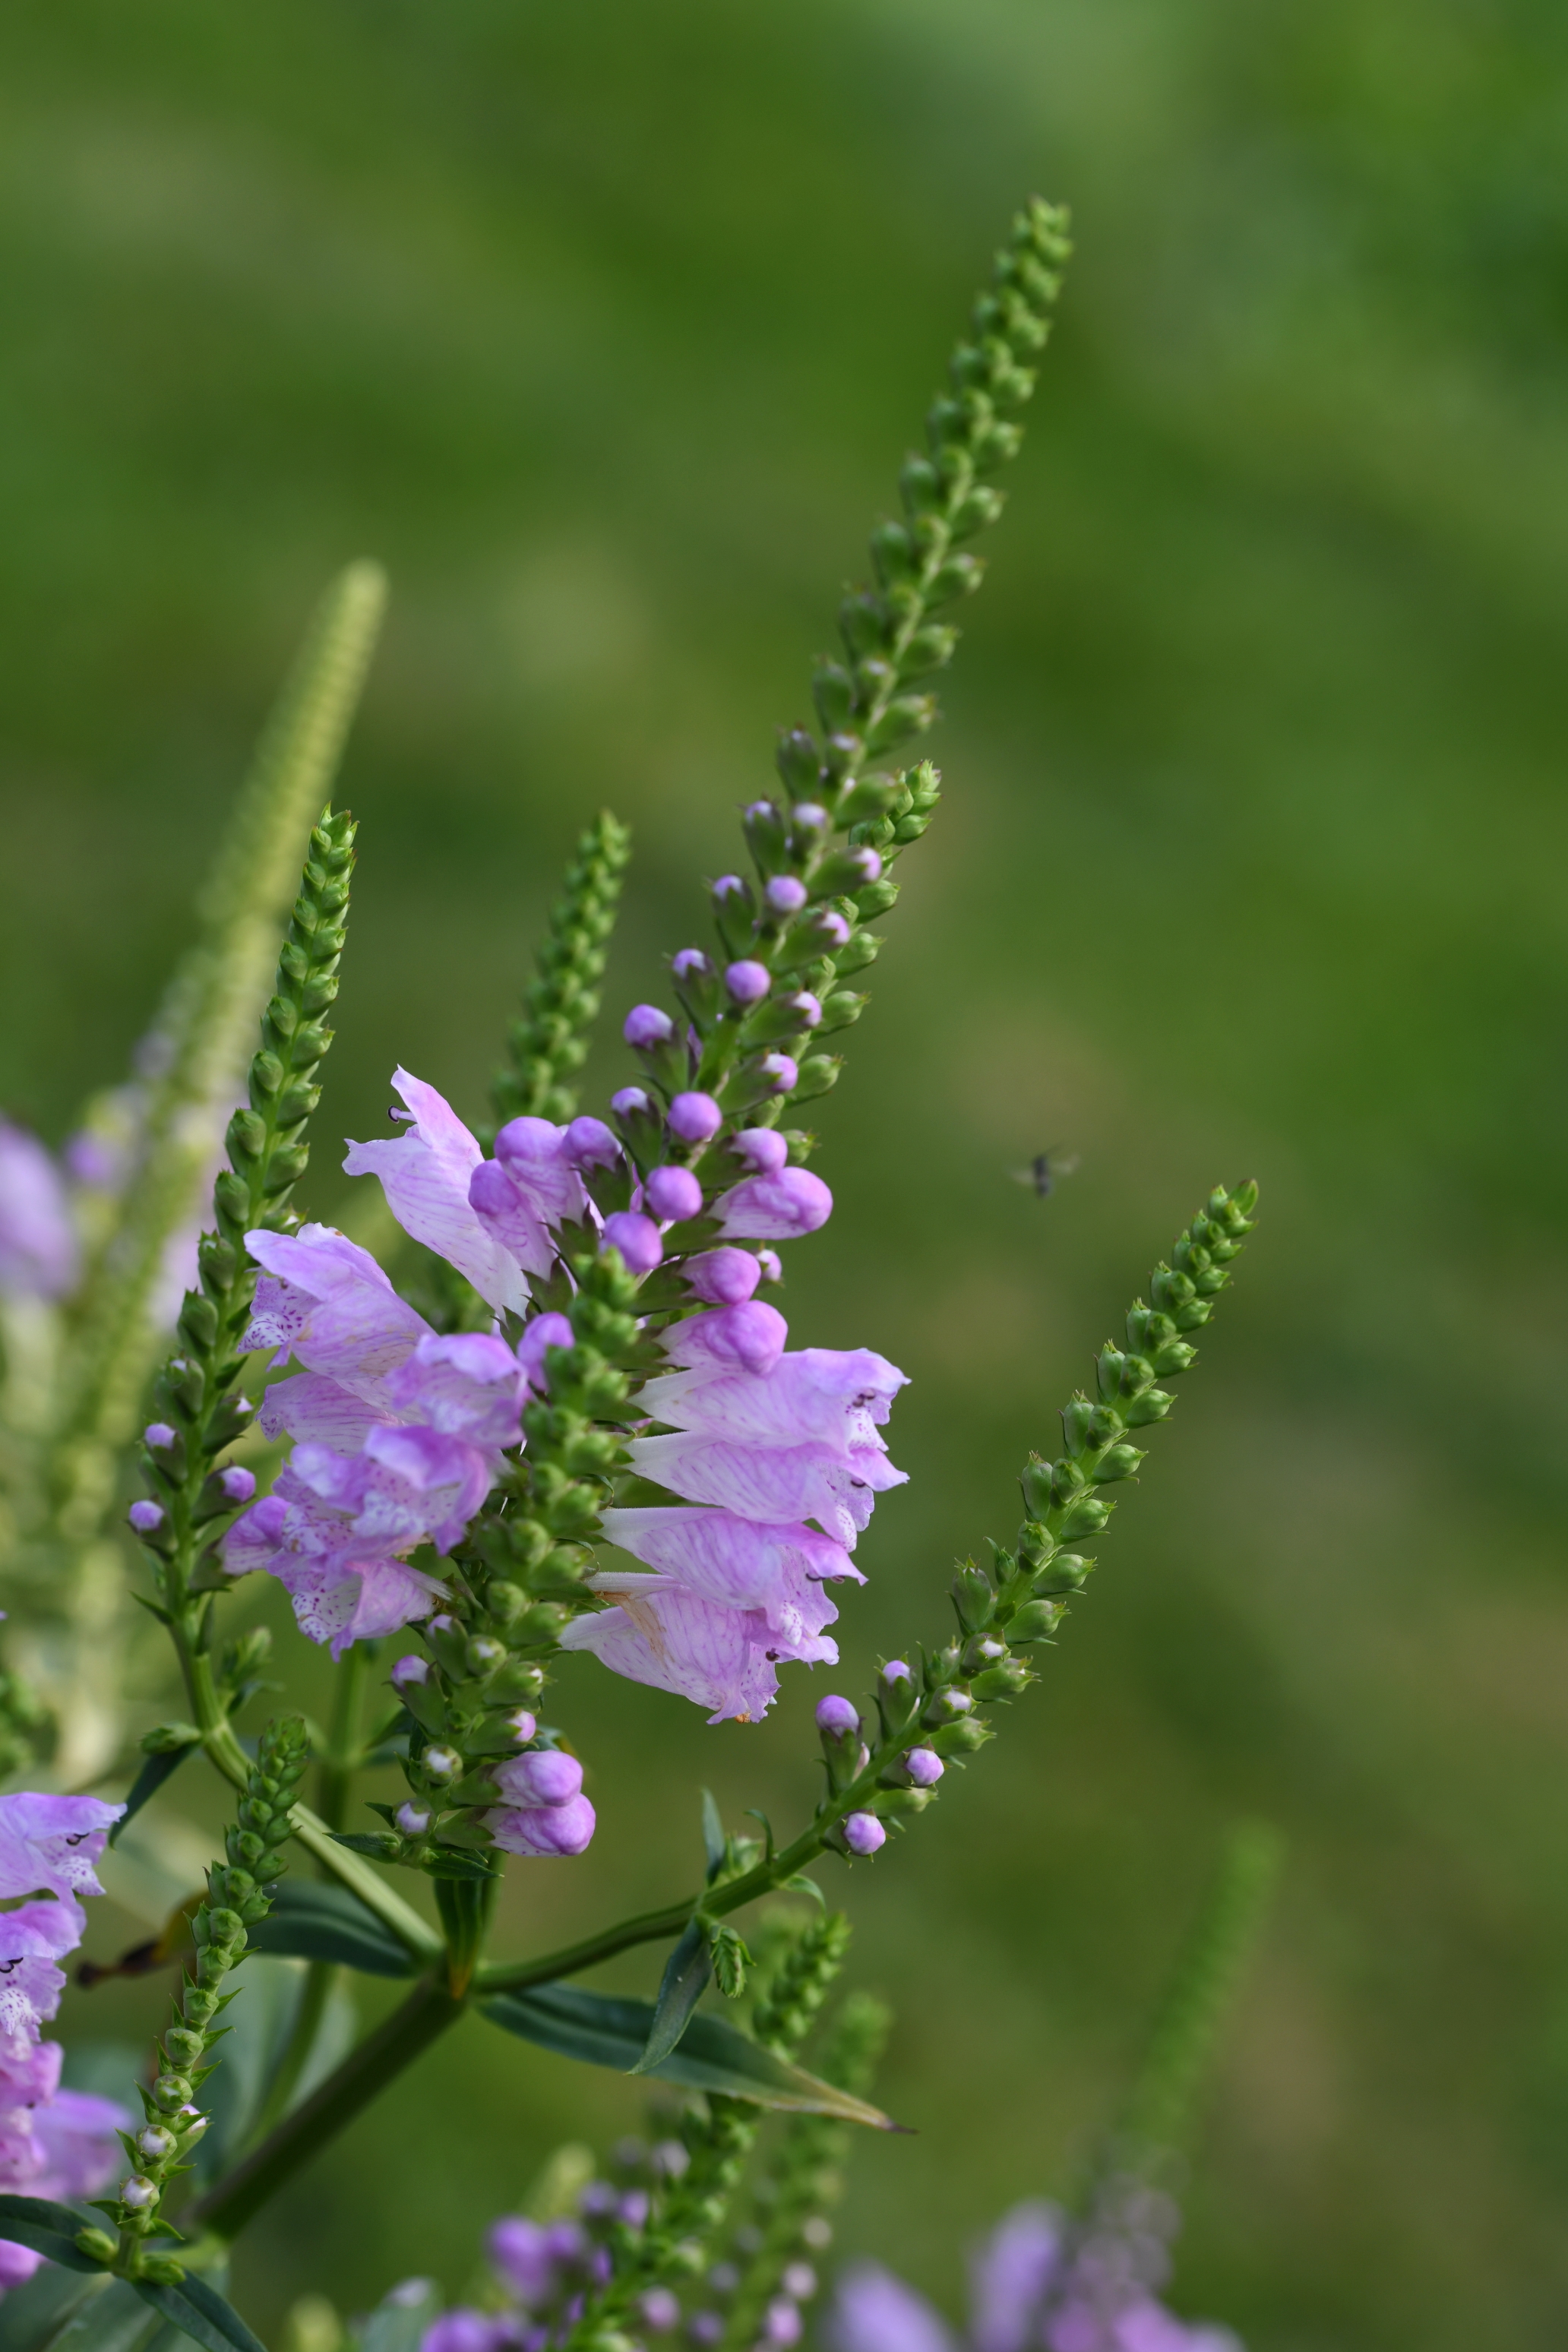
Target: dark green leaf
{"x":198,"y":2311}
{"x":311,"y":1920}
{"x":48,"y":2228}
{"x":686,"y":1972}
{"x":712,"y":1836}
{"x":33,"y":2315}
{"x":455,"y":1865}
{"x":603,"y":2030}
{"x":155,"y":1770}
{"x":801,"y":1885}
{"x":111,"y":2318}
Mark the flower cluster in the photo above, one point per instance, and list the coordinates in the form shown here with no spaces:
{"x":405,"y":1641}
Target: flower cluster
{"x":53,"y":2142}
{"x":400,"y":1433}
{"x":1040,"y":2284}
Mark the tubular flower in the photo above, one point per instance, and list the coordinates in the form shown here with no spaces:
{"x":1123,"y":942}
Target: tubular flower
{"x":39,"y":1257}
{"x":53,"y":2143}
{"x":399,"y":1434}
{"x":768,"y":1441}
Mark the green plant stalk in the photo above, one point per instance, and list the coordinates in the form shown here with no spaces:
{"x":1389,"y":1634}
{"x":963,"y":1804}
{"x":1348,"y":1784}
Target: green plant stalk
{"x":1038,"y":1566}
{"x":197,"y":1394}
{"x":805,"y":2175}
{"x":546,"y":1048}
{"x":337,"y":1768}
{"x":719,"y":2141}
{"x":203,"y":1029}
{"x":238,"y":1896}
{"x":373,"y":2062}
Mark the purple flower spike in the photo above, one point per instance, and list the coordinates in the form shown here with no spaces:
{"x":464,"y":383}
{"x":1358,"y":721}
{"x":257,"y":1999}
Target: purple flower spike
{"x":647,"y":1026}
{"x":237,"y":1483}
{"x":545,"y":1776}
{"x":39,"y":1257}
{"x":838,"y":1717}
{"x":774,"y":1208}
{"x":896,"y":1671}
{"x":146,"y":1517}
{"x":729,"y":885}
{"x":924,"y":1767}
{"x":674,"y":1194}
{"x":868,"y":863}
{"x":747,"y":982}
{"x":723,"y":1276}
{"x":762,"y":1148}
{"x":786,"y":893}
{"x":749,"y":1337}
{"x":832,"y":925}
{"x":638,"y":1239}
{"x":781,"y":1073}
{"x":158,"y":1435}
{"x":695,"y":1118}
{"x":864,"y":1833}
{"x":809,"y":1007}
{"x":550,"y":1831}
{"x":407,"y":1670}
{"x":590,"y":1144}
{"x":691,"y":964}
{"x":630,"y":1102}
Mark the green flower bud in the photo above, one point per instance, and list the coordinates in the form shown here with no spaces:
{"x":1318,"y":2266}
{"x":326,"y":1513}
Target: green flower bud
{"x":1036,"y":1621}
{"x":97,"y":2245}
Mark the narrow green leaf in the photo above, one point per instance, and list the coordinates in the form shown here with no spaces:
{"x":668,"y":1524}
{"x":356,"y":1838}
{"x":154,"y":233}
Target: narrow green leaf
{"x":155,"y":1770}
{"x":33,"y":2315}
{"x":312,"y":1921}
{"x":600,"y":2029}
{"x":686,"y":1972}
{"x":712,"y":1836}
{"x":801,"y":1885}
{"x":455,"y":1865}
{"x":108,"y":2317}
{"x":198,"y":2311}
{"x":48,"y":2228}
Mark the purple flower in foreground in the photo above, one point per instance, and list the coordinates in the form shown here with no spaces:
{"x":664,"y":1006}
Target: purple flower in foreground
{"x":39,"y":1253}
{"x":546,"y":1832}
{"x":645,"y":1026}
{"x":864,"y":1833}
{"x":425,"y":1173}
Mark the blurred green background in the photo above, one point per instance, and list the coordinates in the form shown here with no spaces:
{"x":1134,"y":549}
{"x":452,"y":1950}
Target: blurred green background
{"x":605,"y":327}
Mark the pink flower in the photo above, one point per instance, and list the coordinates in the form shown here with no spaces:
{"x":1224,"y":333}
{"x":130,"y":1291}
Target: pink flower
{"x":340,"y":1599}
{"x":53,"y":1842}
{"x":551,"y":1832}
{"x":774,"y":1208}
{"x":425,"y":1174}
{"x":38,"y":1253}
{"x":778,"y":1570}
{"x":750,"y":1336}
{"x":775,"y":1483}
{"x":724,"y":1659}
{"x":326,"y":1302}
{"x":837,"y":1395}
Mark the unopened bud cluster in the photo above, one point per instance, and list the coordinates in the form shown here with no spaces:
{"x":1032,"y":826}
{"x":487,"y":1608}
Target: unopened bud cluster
{"x":238,"y":1894}
{"x":197,"y":1410}
{"x":547,"y":1047}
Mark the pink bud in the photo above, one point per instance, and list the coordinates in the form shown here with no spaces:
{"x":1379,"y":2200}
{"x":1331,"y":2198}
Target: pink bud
{"x":864,"y":1833}
{"x":779,"y":1072}
{"x":673,"y":1192}
{"x":694,"y":1118}
{"x":748,"y":982}
{"x":645,"y":1026}
{"x":723,"y":1276}
{"x":762,"y":1148}
{"x":638,"y":1239}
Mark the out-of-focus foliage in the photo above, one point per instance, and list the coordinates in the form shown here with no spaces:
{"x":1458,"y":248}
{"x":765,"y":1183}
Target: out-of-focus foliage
{"x":604,"y":328}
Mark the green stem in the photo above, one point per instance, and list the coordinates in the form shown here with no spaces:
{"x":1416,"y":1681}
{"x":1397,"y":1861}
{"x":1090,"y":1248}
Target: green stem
{"x":341,"y":1759}
{"x":429,"y":2009}
{"x":314,"y":1994}
{"x":350,"y":1870}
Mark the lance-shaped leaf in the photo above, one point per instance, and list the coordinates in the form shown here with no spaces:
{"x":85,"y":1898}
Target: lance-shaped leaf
{"x":47,"y":2228}
{"x":603,"y":2030}
{"x":58,"y":2307}
{"x":313,"y":1921}
{"x":199,"y":2311}
{"x":156,"y":1770}
{"x":686,"y":1974}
